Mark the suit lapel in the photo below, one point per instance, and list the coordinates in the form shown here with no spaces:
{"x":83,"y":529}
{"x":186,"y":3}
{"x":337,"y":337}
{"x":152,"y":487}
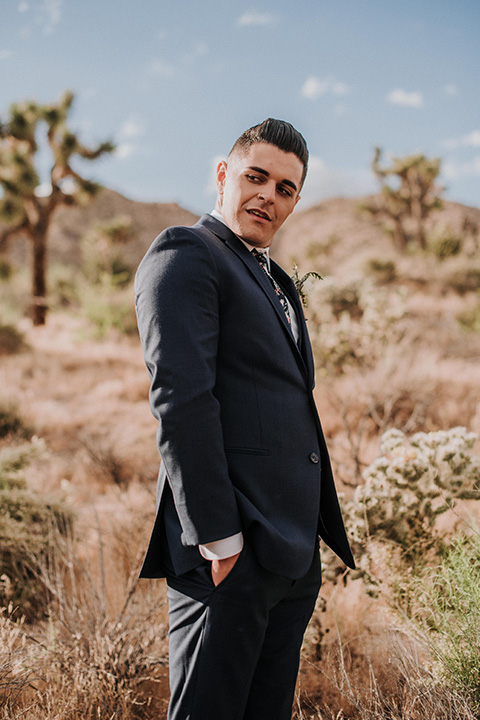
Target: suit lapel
{"x":302,"y":350}
{"x":288,"y":287}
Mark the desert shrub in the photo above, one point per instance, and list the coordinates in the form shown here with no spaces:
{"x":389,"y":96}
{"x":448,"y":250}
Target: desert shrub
{"x":64,"y":290}
{"x":321,"y":247}
{"x":352,"y":323}
{"x":15,"y":299}
{"x":470,"y":319}
{"x":5,"y":269}
{"x":464,"y":279}
{"x":384,"y":271}
{"x":448,"y":612}
{"x":109,"y":308}
{"x":90,"y":660}
{"x":412,"y":483}
{"x":28,"y":524}
{"x":12,"y":423}
{"x":11,"y":340}
{"x":102,"y":252}
{"x":107,"y":465}
{"x":444,"y":244}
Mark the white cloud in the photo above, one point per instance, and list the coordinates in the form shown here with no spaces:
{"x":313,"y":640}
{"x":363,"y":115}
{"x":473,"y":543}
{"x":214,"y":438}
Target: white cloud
{"x":199,"y":50}
{"x":450,"y":89}
{"x":124,"y":150}
{"x":51,"y":15}
{"x":323,"y":181}
{"x":407,"y":99}
{"x":453,"y":170}
{"x":132,"y":127}
{"x":314,"y":88}
{"x":162,"y":68}
{"x":470,"y":140}
{"x":255,"y":18}
{"x":5,"y":54}
{"x":22,"y":7}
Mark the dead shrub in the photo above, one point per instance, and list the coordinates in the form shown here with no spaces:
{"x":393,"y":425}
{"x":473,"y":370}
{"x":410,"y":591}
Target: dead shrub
{"x":29,"y":526}
{"x":89,"y":660}
{"x":12,"y":340}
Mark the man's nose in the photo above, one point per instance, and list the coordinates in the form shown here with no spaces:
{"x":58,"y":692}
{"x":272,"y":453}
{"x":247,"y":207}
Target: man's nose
{"x":267,"y":192}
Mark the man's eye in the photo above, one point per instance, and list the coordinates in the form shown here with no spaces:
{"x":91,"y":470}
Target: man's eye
{"x":254,"y":178}
{"x":285,"y":191}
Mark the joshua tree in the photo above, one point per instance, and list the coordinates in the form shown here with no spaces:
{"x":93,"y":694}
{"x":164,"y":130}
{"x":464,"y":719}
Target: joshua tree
{"x":409,"y":200}
{"x":23,"y":208}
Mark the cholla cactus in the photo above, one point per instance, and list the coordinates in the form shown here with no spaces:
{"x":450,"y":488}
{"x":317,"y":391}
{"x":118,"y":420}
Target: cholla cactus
{"x":405,"y":490}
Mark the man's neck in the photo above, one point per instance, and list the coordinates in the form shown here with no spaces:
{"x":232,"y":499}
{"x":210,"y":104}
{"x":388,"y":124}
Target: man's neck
{"x":218,"y":215}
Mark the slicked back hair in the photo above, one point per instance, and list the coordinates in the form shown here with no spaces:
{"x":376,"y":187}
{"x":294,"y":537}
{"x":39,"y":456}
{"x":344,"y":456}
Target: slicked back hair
{"x":275,"y":132}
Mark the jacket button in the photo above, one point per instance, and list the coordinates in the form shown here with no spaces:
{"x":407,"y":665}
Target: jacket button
{"x":314,"y":458}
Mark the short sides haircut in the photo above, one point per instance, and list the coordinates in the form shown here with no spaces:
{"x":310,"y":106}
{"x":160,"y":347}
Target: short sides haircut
{"x":275,"y":132}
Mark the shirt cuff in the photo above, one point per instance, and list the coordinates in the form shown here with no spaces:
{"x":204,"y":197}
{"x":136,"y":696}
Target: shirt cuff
{"x":221,"y":549}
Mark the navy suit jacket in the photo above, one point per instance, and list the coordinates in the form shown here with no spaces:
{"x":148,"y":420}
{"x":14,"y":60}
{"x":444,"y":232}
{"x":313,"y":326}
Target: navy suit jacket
{"x":239,"y":436}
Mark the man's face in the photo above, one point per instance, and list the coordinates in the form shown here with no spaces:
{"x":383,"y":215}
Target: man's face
{"x":257,"y":191}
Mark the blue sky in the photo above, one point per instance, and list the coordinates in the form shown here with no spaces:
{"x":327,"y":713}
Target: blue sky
{"x":174,"y":83}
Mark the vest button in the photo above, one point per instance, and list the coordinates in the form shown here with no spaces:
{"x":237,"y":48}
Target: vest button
{"x":314,"y":458}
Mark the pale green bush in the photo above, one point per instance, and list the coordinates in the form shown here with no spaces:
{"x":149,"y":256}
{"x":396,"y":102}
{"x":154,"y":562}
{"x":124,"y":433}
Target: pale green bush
{"x":447,"y":610}
{"x":352,"y":323}
{"x":109,"y":308}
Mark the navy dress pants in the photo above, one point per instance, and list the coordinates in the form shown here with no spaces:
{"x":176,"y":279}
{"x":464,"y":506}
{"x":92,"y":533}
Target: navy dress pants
{"x":235,"y":648}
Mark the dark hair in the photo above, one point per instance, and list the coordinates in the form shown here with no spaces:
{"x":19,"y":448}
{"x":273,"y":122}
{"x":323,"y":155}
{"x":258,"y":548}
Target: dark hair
{"x":278,"y":133}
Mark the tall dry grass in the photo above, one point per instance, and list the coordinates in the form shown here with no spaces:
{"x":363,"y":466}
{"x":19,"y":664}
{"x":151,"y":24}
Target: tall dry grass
{"x":91,"y":657}
{"x":396,"y":684}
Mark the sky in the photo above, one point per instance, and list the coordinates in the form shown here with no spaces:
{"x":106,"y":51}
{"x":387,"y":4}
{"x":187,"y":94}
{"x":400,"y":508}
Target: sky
{"x":174,"y":82}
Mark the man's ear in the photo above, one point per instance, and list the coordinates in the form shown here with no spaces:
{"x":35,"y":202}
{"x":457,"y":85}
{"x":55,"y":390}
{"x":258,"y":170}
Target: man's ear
{"x":221,"y":176}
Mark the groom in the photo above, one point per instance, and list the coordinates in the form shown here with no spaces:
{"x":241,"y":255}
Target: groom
{"x":245,"y":485}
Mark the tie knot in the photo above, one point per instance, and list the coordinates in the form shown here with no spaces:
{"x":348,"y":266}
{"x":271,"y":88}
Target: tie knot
{"x":261,"y":257}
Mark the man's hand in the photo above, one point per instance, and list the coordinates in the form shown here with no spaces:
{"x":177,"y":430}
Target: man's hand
{"x":221,"y":568}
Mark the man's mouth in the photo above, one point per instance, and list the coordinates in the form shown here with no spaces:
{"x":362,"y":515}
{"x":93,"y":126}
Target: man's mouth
{"x":259,"y":214}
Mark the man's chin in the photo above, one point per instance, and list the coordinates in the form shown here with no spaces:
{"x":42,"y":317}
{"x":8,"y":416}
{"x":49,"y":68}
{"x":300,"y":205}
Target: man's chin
{"x":255,"y":236}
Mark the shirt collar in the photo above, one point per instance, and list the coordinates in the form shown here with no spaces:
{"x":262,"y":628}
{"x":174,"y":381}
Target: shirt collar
{"x":264,"y":251}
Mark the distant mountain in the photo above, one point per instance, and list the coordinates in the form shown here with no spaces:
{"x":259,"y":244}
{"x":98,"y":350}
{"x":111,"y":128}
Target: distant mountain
{"x":335,"y":232}
{"x":70,"y":224}
{"x":342,"y":235}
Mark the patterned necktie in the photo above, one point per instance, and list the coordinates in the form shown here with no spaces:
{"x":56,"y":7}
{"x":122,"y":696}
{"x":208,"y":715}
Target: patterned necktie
{"x":262,"y":259}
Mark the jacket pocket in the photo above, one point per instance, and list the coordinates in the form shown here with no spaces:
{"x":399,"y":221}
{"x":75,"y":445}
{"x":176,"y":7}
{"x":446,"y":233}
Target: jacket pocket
{"x":247,"y":451}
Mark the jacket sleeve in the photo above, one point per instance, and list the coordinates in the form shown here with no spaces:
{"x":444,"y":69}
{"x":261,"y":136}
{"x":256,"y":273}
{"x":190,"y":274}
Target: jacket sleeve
{"x":177,"y":303}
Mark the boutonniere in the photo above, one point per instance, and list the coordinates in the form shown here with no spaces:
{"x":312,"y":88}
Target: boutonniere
{"x":299,"y":283}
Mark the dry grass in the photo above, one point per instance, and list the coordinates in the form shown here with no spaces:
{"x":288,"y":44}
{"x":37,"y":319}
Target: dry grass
{"x":368,"y":667}
{"x":395,"y":684}
{"x":101,"y":653}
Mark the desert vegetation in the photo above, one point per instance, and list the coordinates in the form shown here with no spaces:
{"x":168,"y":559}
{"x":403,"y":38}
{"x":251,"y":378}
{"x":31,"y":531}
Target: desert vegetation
{"x":396,"y":340}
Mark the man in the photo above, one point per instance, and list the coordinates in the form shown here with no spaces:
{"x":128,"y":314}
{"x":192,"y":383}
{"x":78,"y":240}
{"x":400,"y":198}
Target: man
{"x":245,"y":485}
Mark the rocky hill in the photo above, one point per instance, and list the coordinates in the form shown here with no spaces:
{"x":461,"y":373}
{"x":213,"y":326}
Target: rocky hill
{"x":335,"y":230}
{"x":343,"y":235}
{"x":71,"y":224}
